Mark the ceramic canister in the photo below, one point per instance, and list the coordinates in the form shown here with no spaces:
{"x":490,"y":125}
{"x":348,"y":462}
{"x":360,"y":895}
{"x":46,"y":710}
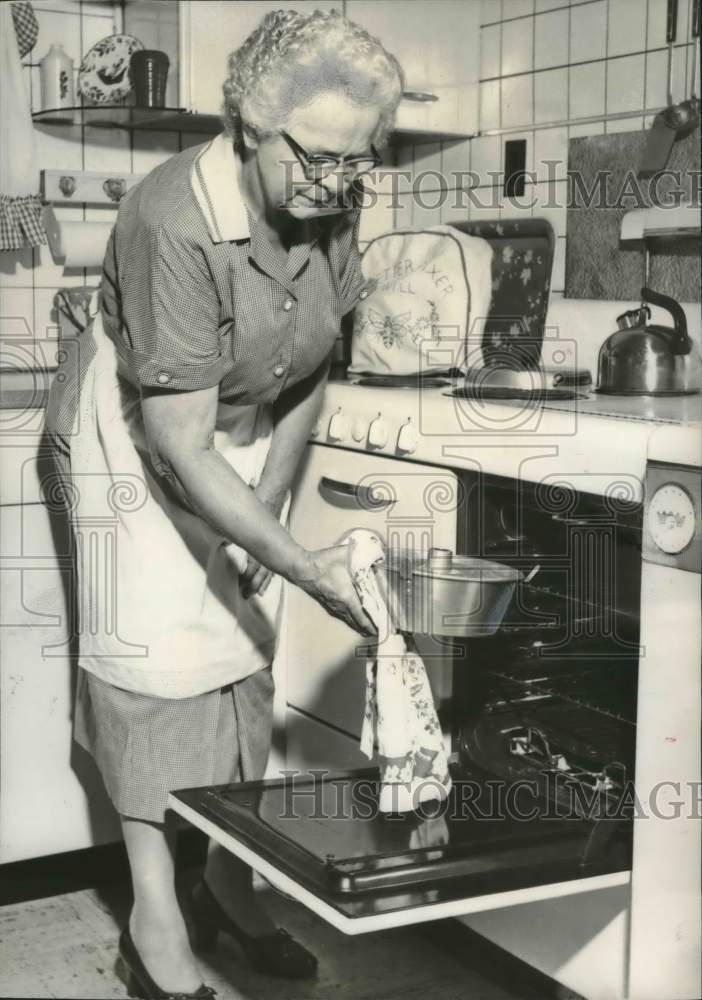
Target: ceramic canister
{"x":57,"y":90}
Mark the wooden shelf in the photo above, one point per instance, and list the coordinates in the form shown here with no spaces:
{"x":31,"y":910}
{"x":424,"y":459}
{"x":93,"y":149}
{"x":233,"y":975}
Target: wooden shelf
{"x":179,"y":120}
{"x":127,"y":117}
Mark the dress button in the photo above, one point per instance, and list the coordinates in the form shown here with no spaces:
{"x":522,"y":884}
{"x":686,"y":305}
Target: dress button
{"x":163,"y":377}
{"x":279,"y":370}
{"x":364,"y":293}
{"x":287,"y":305}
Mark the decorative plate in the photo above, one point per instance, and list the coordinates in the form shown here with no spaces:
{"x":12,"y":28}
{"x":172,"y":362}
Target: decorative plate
{"x":104,"y":72}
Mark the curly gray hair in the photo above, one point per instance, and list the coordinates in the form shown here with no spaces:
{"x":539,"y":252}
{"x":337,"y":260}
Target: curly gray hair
{"x":291,"y":58}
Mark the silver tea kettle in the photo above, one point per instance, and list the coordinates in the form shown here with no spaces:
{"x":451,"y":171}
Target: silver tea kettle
{"x":644,"y":359}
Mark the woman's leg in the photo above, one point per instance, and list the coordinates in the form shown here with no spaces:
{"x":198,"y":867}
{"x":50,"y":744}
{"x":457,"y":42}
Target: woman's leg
{"x":231,"y":882}
{"x":156,"y":923}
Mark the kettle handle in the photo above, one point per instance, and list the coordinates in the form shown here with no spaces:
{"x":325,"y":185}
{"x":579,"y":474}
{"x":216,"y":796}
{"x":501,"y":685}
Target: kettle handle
{"x":678,"y":338}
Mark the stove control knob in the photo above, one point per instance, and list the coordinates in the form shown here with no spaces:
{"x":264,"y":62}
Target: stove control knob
{"x":358,"y":430}
{"x":338,"y":427}
{"x":378,"y":433}
{"x":407,"y":439}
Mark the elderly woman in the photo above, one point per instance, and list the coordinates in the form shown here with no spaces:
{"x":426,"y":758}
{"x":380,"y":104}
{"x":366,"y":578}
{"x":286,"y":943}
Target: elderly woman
{"x":224,"y":284}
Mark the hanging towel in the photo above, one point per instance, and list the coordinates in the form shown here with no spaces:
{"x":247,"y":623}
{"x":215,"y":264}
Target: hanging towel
{"x":20,"y":205}
{"x":26,"y":26}
{"x":399,"y":713}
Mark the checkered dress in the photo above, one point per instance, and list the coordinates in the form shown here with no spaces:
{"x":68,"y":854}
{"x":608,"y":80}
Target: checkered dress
{"x":194,"y":296}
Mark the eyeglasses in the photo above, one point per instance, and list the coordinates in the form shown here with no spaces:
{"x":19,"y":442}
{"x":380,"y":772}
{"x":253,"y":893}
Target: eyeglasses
{"x":317,"y":166}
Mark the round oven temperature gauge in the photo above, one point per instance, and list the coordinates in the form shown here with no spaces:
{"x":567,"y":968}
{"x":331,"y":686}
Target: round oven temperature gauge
{"x":671,"y":518}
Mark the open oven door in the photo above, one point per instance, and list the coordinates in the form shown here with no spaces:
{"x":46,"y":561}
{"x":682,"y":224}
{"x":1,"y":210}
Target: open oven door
{"x":323,"y":841}
{"x":317,"y":834}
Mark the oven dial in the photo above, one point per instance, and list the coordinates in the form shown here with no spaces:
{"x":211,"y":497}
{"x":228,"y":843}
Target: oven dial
{"x":338,"y":427}
{"x":671,"y":518}
{"x":378,"y":433}
{"x":407,"y":439}
{"x":358,"y":430}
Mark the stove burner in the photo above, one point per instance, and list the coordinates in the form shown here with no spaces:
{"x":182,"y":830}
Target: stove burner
{"x":484,"y":392}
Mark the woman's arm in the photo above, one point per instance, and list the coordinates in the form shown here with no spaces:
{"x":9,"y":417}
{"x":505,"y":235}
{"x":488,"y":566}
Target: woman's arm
{"x":180,"y":432}
{"x":294,"y":414}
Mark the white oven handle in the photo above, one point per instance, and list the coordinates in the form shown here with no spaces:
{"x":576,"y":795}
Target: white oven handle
{"x":353,"y":497}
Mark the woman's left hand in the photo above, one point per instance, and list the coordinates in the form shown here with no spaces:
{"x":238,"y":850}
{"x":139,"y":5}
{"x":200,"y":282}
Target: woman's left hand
{"x":254,"y":579}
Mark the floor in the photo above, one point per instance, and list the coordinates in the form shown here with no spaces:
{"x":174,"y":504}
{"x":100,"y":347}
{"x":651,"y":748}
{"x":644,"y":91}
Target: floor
{"x":66,"y":946}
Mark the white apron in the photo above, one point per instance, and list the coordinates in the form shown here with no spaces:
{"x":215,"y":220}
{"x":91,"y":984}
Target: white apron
{"x":160,"y":609}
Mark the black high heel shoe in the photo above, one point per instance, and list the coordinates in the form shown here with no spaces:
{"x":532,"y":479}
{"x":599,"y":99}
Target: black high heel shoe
{"x":277,"y":954}
{"x":139,"y":982}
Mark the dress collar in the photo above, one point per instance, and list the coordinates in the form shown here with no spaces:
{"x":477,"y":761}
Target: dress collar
{"x":215,"y":181}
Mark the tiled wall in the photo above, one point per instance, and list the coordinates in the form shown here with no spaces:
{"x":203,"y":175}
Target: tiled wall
{"x":545,"y":61}
{"x":30,"y":278}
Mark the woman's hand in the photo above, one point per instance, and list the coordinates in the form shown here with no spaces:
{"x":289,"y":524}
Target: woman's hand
{"x":325,"y":577}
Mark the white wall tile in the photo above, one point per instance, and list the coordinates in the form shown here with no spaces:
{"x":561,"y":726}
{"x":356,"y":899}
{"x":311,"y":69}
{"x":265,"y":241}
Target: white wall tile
{"x":551,"y":39}
{"x":403,"y":213}
{"x":59,"y":147}
{"x":680,"y":74}
{"x":587,"y":90}
{"x":16,"y":312}
{"x":16,"y":268}
{"x":46,"y":316}
{"x":453,"y":211}
{"x":625,"y":83}
{"x":588,"y":32}
{"x":550,"y":4}
{"x":151,"y":149}
{"x":656,"y":79}
{"x":517,"y":207}
{"x":517,"y":46}
{"x":58,"y":29}
{"x":517,"y":8}
{"x":490,"y":10}
{"x":377,"y":219}
{"x":550,"y":202}
{"x":627,"y":27}
{"x":586,"y":129}
{"x":657,"y":18}
{"x":490,"y":105}
{"x":425,"y":216}
{"x":551,"y":95}
{"x":624,"y":125}
{"x":94,"y":29}
{"x":517,"y":102}
{"x":490,"y":42}
{"x":486,"y":158}
{"x":550,"y":144}
{"x":559,"y":261}
{"x":455,"y":157}
{"x":427,"y":156}
{"x":107,"y":150}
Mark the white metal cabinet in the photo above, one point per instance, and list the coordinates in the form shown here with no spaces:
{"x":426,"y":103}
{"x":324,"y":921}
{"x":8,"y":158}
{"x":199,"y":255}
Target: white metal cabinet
{"x":326,"y":674}
{"x":438,"y":46}
{"x":209,"y":31}
{"x":46,"y":806}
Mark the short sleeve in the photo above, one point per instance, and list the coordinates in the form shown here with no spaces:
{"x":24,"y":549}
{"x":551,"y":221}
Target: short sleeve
{"x":351,"y":281}
{"x":170,"y":314}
